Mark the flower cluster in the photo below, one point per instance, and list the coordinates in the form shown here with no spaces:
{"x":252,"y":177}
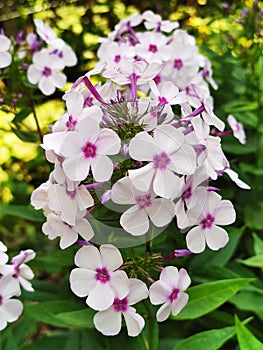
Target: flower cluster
{"x":146,"y":145}
{"x":38,"y":57}
{"x":12,"y":277}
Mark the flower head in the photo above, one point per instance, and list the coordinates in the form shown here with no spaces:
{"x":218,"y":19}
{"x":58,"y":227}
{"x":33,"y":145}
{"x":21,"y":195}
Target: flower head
{"x":169,"y":291}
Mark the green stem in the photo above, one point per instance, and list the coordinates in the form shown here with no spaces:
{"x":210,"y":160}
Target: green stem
{"x":36,"y":120}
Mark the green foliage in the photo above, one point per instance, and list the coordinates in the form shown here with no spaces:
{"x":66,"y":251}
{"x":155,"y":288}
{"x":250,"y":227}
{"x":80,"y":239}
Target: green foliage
{"x":209,"y":296}
{"x":246,"y":339}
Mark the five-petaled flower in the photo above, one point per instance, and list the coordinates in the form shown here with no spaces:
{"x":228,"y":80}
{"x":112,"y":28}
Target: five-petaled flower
{"x":169,"y":291}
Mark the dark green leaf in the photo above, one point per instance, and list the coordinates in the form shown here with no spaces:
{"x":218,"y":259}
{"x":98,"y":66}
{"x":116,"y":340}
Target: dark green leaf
{"x":258,"y":244}
{"x":78,"y":319}
{"x":209,"y":296}
{"x":246,"y":340}
{"x":20,"y":116}
{"x":26,"y":136}
{"x":249,"y":301}
{"x":254,"y":261}
{"x":47,"y":312}
{"x":208,"y":340}
{"x":23,"y":212}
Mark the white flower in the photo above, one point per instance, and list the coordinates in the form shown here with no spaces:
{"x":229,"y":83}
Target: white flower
{"x":10,"y":309}
{"x":207,"y":216}
{"x":45,"y":72}
{"x":154,"y":21}
{"x":87,"y":147}
{"x":108,"y":322}
{"x":55,"y":227}
{"x":5,"y":57}
{"x":3,"y":255}
{"x":19,"y":271}
{"x":238,"y":129}
{"x":166,"y":153}
{"x":169,"y":291}
{"x":146,"y":206}
{"x":97,"y":276}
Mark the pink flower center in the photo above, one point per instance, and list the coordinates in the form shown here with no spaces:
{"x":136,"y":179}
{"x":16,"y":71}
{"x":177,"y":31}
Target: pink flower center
{"x":71,"y":123}
{"x":89,"y":150}
{"x":207,"y":221}
{"x":187,"y":193}
{"x":46,"y":72}
{"x":144,"y":201}
{"x":157,"y":79}
{"x":117,"y":58}
{"x":162,"y":100}
{"x":152,"y":48}
{"x":120,"y":305}
{"x":174,"y":294}
{"x":102,"y":275}
{"x":178,"y":64}
{"x":160,"y":161}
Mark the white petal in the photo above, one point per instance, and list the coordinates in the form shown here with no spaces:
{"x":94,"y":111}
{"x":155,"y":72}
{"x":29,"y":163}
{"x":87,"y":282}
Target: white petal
{"x":74,"y":103}
{"x":159,"y":292}
{"x":84,"y":229}
{"x":5,"y":59}
{"x":82,"y":281}
{"x":179,"y":304}
{"x":161,"y":212}
{"x":88,"y":257}
{"x":108,"y":142}
{"x":170,"y":276}
{"x":5,"y":42}
{"x":184,"y":280}
{"x":164,"y":183}
{"x":59,"y":80}
{"x":108,"y":322}
{"x":135,"y":221}
{"x":102,"y":168}
{"x":111,"y":257}
{"x":164,"y":312}
{"x":216,"y":237}
{"x":76,"y":168}
{"x":168,"y":138}
{"x":195,"y":240}
{"x":134,"y":322}
{"x":119,"y":282}
{"x":84,"y":198}
{"x":184,"y":160}
{"x":12,"y":309}
{"x":101,"y":297}
{"x":121,"y":192}
{"x":72,"y":145}
{"x":225,"y":214}
{"x":33,"y":74}
{"x":142,"y":178}
{"x":142,"y":147}
{"x":67,"y":239}
{"x":137,"y":291}
{"x":46,"y":86}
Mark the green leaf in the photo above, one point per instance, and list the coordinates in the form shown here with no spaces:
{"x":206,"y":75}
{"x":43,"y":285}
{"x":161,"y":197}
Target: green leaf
{"x":23,"y":212}
{"x":208,"y":340}
{"x":27,"y":136}
{"x":254,"y":261}
{"x":72,"y":341}
{"x":249,"y":301}
{"x":49,"y":312}
{"x":78,"y":319}
{"x":236,"y":148}
{"x":10,"y":342}
{"x":258,"y":244}
{"x":207,"y":297}
{"x":246,"y":340}
{"x":48,"y":342}
{"x":20,"y":116}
